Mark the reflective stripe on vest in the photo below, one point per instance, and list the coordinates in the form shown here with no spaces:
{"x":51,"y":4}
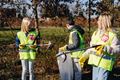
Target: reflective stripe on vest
{"x":77,"y":54}
{"x":106,"y":64}
{"x":99,"y":61}
{"x":23,"y":50}
{"x":27,"y":53}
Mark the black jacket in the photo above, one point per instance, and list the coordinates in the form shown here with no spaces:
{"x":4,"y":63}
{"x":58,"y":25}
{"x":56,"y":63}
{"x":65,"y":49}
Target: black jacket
{"x":75,"y":38}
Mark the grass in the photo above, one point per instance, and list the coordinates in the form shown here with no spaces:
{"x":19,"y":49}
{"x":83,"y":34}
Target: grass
{"x":57,"y":35}
{"x":46,"y":64}
{"x":54,"y":34}
{"x":7,"y":36}
{"x":46,"y":33}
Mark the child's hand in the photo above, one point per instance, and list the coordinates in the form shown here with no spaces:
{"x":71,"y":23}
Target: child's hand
{"x":63,"y":48}
{"x":21,"y":46}
{"x":32,"y":46}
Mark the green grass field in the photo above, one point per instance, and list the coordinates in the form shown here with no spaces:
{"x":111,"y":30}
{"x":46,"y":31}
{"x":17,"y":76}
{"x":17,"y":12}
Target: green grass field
{"x":46,"y":33}
{"x":45,"y":65}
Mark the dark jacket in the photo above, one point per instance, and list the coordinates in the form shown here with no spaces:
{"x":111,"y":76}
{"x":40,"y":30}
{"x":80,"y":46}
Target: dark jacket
{"x":75,"y":38}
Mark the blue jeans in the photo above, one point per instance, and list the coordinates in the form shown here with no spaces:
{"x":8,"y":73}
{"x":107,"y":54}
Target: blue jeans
{"x":27,"y":66}
{"x":99,"y":74}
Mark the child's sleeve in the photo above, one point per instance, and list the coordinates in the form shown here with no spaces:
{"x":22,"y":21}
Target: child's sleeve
{"x":17,"y":42}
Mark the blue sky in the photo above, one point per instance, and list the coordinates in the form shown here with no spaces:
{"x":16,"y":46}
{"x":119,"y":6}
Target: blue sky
{"x":28,"y":1}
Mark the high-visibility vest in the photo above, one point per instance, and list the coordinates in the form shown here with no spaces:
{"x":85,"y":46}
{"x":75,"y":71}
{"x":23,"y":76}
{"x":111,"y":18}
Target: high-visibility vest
{"x":107,"y":60}
{"x":27,"y":53}
{"x":77,"y":54}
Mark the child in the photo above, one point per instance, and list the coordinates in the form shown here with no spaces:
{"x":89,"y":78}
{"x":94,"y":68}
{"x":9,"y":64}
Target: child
{"x":102,"y":58}
{"x":26,"y":42}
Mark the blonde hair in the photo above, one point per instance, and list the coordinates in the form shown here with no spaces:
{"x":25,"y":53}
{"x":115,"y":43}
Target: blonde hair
{"x":105,"y":22}
{"x":25,"y":24}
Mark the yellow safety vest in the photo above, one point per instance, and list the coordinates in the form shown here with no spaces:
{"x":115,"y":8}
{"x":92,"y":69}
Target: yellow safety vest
{"x":77,"y":54}
{"x":27,"y":53}
{"x":101,"y":61}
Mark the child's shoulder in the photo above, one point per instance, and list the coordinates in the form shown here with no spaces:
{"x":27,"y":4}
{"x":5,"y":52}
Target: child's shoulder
{"x":32,"y":30}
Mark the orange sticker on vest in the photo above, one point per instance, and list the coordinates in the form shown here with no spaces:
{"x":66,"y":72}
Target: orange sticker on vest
{"x":105,"y":38}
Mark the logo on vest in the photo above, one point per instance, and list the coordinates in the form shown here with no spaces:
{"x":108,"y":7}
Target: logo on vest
{"x":32,"y":37}
{"x":105,"y":38}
